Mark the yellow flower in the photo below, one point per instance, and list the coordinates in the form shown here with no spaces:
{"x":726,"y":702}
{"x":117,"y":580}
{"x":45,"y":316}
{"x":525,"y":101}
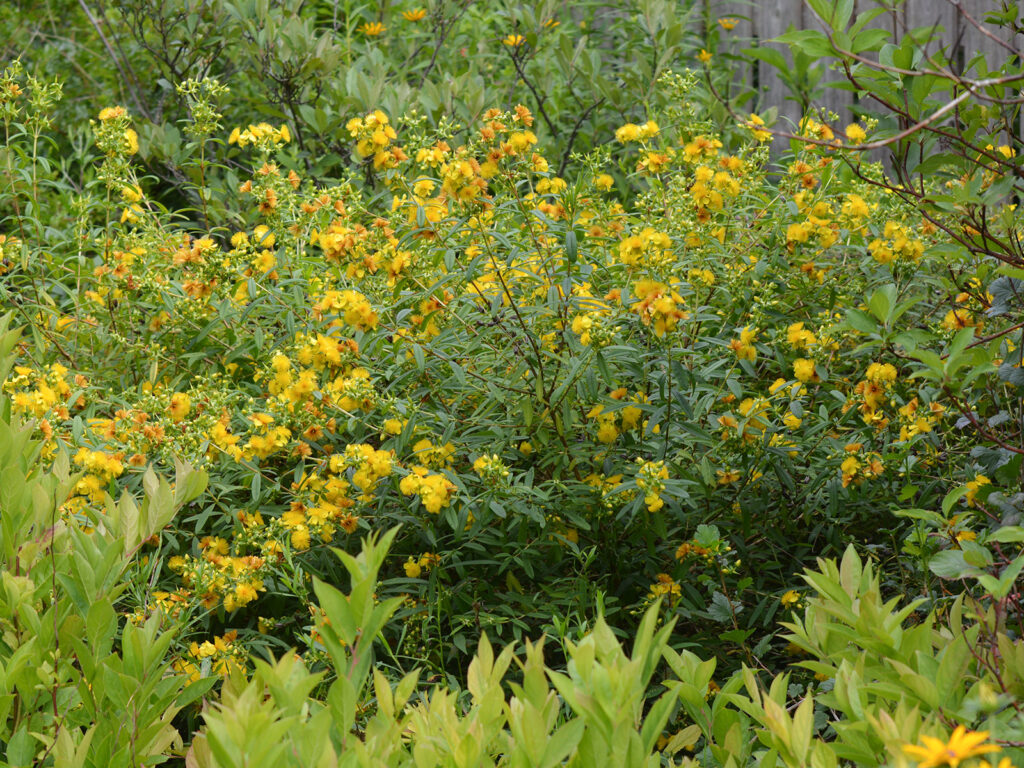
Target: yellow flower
{"x":974,"y":486}
{"x":372,"y":29}
{"x":245,"y":594}
{"x":628,"y":132}
{"x":414,"y":15}
{"x":111,"y":113}
{"x":514,"y":41}
{"x":803,"y":370}
{"x":264,"y":237}
{"x":179,"y":407}
{"x":607,"y":432}
{"x":744,"y":345}
{"x":757,"y":126}
{"x":704,"y":56}
{"x":961,"y":745}
{"x":728,"y":24}
{"x":300,"y":538}
{"x":1004,"y":763}
{"x":727,"y":476}
{"x":412,"y":568}
{"x":792,"y":597}
{"x":881,"y":373}
{"x":855,"y":134}
{"x":665,"y":586}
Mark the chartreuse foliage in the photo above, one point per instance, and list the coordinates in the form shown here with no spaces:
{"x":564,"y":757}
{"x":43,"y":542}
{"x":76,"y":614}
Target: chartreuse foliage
{"x":78,"y":685}
{"x":892,"y":682}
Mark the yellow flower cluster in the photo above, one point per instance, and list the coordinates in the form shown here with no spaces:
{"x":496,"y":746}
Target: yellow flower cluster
{"x":711,"y":188}
{"x":650,"y":477}
{"x":416,"y":566}
{"x":217,"y":576}
{"x":222,"y":654}
{"x":348,"y":306}
{"x":658,"y":306}
{"x":491,"y":469}
{"x":897,"y":243}
{"x":859,"y":466}
{"x":41,"y":393}
{"x":263,"y":136}
{"x":435,"y":491}
{"x":632,"y":132}
{"x":115,"y":137}
{"x":370,"y":465}
{"x":913,"y":422}
{"x":744,"y":345}
{"x":374,"y":136}
{"x":647,"y":248}
{"x":666,"y":587}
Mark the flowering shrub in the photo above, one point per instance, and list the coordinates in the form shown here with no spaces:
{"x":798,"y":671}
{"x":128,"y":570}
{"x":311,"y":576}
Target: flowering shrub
{"x":661,"y":384}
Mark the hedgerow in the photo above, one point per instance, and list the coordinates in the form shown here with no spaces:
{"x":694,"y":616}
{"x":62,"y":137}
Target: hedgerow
{"x":652,"y":397}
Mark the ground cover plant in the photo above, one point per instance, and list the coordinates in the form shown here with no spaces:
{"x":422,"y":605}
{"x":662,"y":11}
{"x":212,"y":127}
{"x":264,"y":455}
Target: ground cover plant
{"x":461,"y":435}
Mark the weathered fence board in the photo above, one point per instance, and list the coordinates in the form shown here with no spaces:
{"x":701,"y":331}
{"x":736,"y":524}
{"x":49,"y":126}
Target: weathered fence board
{"x":760,"y":21}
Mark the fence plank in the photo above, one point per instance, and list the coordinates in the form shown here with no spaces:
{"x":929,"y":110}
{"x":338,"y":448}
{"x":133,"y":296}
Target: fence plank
{"x":975,"y":41}
{"x":773,"y":18}
{"x":762,"y":20}
{"x":937,"y":19}
{"x":831,"y":99}
{"x":740,"y":15}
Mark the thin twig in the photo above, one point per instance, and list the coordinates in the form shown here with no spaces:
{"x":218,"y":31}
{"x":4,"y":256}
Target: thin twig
{"x":116,"y":60}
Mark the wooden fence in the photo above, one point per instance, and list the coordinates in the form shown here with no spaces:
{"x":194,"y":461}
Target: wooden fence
{"x":762,"y":20}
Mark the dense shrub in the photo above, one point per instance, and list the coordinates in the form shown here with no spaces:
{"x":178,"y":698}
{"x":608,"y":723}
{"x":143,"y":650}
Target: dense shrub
{"x":636,"y":395}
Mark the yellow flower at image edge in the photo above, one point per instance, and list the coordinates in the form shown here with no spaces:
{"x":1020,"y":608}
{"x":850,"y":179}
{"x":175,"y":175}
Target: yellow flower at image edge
{"x":1004,"y":763}
{"x":962,"y":745}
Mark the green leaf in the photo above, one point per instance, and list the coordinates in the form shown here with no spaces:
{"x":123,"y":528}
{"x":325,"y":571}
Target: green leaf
{"x":1008,"y":578}
{"x":571,"y":246}
{"x":861,"y":321}
{"x":1009,"y":534}
{"x":950,"y":564}
{"x":21,"y":749}
{"x":100,"y":624}
{"x":952,"y":498}
{"x":882,"y":301}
